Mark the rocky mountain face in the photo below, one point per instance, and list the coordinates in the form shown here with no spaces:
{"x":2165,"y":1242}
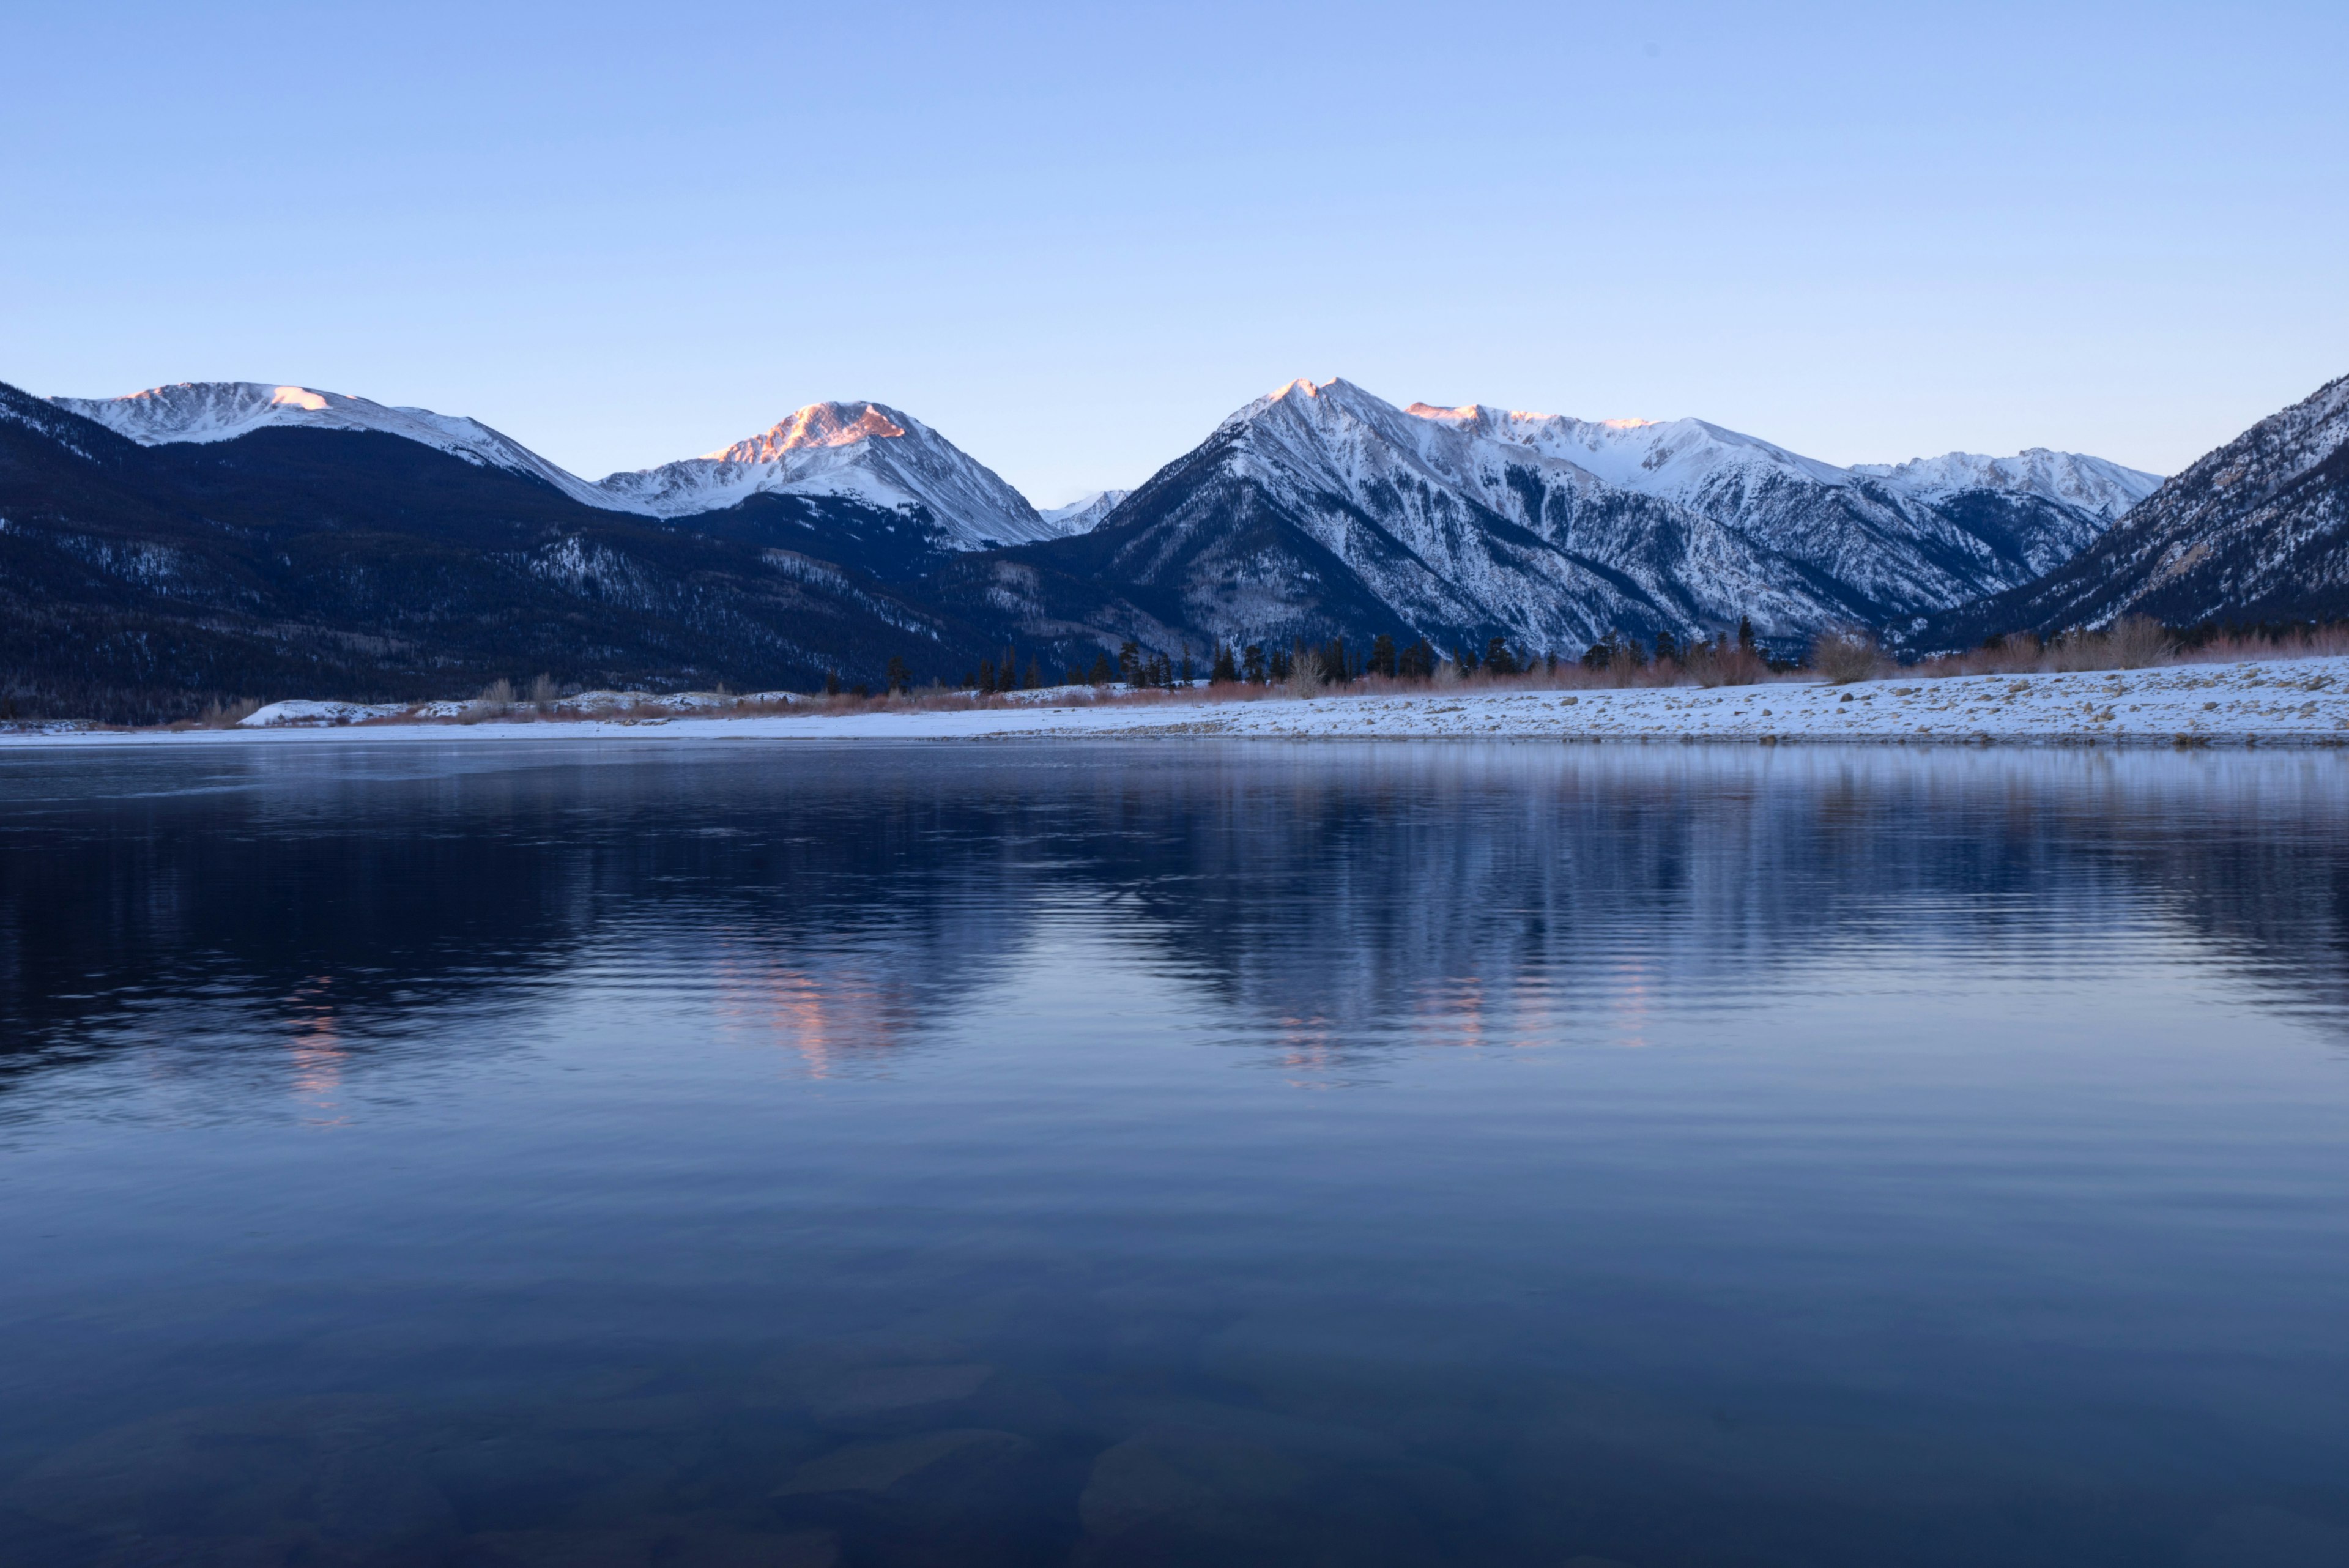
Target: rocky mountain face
{"x":1321,"y":509}
{"x":2258,"y":530}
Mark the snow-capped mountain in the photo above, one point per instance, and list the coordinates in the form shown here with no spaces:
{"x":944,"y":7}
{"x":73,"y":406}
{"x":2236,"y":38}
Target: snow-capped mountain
{"x":1916,"y":535}
{"x":2257,"y":530}
{"x":862,"y":453}
{"x":139,"y":581}
{"x":2094,"y":484}
{"x":1322,"y":507}
{"x":207,"y":412}
{"x":1079,"y":516}
{"x":865,"y":453}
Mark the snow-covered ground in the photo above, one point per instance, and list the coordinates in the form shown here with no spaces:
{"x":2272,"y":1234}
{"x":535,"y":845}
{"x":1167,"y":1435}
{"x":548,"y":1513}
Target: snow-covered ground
{"x":2302,"y":701}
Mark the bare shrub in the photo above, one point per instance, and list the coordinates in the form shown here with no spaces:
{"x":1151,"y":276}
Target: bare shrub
{"x":1305,"y":676}
{"x":2078,"y":650}
{"x":228,"y":714}
{"x":2137,"y":640}
{"x":541,"y":693}
{"x":1713,"y":664}
{"x":1845,"y":654}
{"x":1625,"y":665}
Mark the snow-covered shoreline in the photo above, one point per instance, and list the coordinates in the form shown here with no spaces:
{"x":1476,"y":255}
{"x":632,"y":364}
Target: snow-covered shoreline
{"x":2299,"y":701}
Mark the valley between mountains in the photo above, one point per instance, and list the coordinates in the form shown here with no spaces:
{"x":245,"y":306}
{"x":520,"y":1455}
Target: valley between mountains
{"x":204,"y":542}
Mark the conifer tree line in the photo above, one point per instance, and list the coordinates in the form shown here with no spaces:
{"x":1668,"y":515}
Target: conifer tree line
{"x":1335,"y":663}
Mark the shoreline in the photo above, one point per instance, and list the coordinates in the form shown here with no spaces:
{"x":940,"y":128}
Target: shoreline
{"x":2301,"y":704}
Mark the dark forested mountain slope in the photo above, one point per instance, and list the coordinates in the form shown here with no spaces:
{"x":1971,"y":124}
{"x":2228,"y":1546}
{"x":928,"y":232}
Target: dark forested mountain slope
{"x":138,"y":581}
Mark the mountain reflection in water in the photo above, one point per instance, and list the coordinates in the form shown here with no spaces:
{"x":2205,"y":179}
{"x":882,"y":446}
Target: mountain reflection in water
{"x":729,"y":1154}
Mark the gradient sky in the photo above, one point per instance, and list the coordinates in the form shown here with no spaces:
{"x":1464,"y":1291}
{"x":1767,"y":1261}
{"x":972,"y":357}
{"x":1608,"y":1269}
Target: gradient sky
{"x":1071,"y":238}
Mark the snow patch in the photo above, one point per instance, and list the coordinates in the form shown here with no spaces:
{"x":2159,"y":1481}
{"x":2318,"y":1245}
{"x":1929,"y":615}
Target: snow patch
{"x":307,"y":714}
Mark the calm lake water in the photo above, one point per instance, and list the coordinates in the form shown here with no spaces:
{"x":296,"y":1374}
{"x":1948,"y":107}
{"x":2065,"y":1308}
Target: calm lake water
{"x":747,"y":1155}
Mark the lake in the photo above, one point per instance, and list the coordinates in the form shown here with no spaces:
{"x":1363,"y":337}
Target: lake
{"x":706,"y":1155}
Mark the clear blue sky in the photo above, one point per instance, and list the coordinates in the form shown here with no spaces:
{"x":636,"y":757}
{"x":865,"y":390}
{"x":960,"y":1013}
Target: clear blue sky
{"x":1072,"y":238}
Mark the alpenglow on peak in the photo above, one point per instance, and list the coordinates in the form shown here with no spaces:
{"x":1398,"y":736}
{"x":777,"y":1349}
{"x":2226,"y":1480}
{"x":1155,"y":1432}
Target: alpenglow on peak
{"x":818,"y":424}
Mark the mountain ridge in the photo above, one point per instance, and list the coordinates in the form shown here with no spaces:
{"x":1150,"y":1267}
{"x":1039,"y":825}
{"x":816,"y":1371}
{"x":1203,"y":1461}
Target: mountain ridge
{"x":2257,"y":529}
{"x":1467,"y":522}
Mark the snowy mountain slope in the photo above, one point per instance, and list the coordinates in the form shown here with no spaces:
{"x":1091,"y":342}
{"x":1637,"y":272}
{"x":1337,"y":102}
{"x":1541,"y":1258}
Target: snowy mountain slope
{"x":1923,"y":535}
{"x":207,"y":412}
{"x":2257,"y":530}
{"x":865,"y":453}
{"x":2092,"y":483}
{"x":1320,"y":509}
{"x":1079,"y":516}
{"x":1689,"y":461}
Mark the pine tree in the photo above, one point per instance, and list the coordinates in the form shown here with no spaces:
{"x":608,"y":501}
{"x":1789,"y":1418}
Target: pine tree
{"x":1101,"y":674}
{"x":1498,"y":660}
{"x":1223,"y":673}
{"x":985,"y":677}
{"x":1382,"y":654}
{"x":1253,"y":669}
{"x":1035,"y":675}
{"x":1666,"y":651}
{"x":832,"y":683}
{"x":1746,"y":634}
{"x":1129,"y":663}
{"x":1074,"y":677}
{"x":900,"y":677}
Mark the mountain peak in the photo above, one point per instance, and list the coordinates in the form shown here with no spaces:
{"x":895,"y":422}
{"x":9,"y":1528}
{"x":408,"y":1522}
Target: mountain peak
{"x":817,"y":425}
{"x":1081,"y":516}
{"x":865,"y":453}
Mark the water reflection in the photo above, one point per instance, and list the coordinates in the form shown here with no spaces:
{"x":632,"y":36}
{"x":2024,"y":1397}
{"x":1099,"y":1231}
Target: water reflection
{"x":726,"y":1155}
{"x":1347,"y":899}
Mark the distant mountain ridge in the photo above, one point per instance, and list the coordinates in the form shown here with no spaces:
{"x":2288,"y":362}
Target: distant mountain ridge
{"x":1081,"y":515}
{"x":2257,"y":530}
{"x":139,"y":581}
{"x":1920,"y":535}
{"x":153,"y":542}
{"x":861,"y":451}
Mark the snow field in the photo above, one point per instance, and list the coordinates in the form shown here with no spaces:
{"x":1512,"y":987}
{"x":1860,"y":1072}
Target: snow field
{"x":2302,"y":701}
